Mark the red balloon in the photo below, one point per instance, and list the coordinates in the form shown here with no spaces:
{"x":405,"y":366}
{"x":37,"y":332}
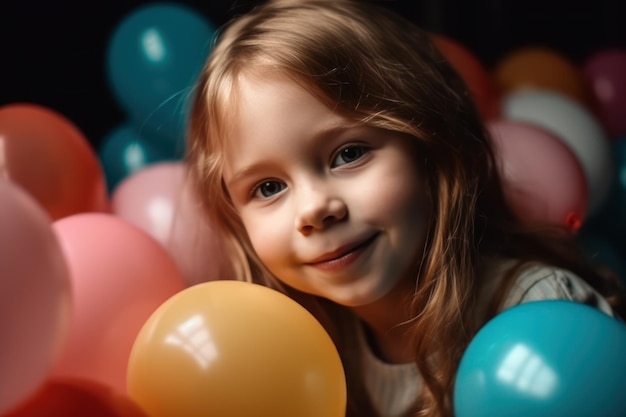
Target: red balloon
{"x":77,"y":398}
{"x":471,"y":69}
{"x":46,"y":154}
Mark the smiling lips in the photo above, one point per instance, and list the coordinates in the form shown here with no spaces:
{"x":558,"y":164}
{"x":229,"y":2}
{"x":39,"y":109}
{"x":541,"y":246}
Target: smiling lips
{"x":342,"y":257}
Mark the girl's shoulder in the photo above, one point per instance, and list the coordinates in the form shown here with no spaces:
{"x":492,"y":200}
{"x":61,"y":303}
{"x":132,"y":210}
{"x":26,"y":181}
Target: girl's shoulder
{"x":546,"y":282}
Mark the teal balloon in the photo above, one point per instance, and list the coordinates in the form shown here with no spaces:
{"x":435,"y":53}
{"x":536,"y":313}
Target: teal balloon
{"x":544,"y":359}
{"x":602,"y":251}
{"x":611,"y":219}
{"x":616,"y":204}
{"x":123,"y":151}
{"x":154,"y":57}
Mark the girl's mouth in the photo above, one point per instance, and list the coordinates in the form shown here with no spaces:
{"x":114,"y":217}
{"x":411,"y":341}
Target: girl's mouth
{"x":344,"y":256}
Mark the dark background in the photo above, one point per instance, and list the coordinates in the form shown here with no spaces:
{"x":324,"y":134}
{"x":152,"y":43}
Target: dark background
{"x":53,"y":52}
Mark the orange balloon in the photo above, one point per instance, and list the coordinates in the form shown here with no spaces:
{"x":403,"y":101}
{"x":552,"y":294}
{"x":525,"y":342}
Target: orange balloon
{"x":77,"y":398}
{"x":544,"y":69}
{"x":47,"y":155}
{"x":478,"y":79}
{"x":235,"y":349}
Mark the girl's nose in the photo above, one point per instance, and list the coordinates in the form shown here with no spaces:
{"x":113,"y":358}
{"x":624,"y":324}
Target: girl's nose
{"x":317,"y":209}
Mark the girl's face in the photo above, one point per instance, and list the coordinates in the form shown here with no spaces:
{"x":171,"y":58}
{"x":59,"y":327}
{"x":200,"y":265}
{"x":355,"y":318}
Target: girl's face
{"x":332,"y":208}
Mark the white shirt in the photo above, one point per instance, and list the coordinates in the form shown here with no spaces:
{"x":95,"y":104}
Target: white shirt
{"x":393,"y":387}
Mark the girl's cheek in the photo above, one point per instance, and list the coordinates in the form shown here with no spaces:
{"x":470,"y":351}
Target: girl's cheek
{"x":266,"y":235}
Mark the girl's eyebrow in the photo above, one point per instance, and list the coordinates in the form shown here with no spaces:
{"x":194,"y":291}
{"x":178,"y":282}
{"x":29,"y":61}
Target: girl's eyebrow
{"x":322,"y":136}
{"x":246,"y":171}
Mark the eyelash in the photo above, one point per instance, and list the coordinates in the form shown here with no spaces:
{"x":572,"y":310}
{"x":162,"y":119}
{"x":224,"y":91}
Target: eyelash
{"x":361,"y":148}
{"x":258,"y":188}
{"x":257,"y":191}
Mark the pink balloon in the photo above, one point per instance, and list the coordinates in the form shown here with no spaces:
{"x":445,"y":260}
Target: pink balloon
{"x":119,"y":276}
{"x":606,"y":71}
{"x":159,"y":199}
{"x":543,"y":179}
{"x":35,"y":297}
{"x":577,"y":128}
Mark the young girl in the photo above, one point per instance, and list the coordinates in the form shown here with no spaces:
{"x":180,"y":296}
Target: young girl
{"x":346,"y":165}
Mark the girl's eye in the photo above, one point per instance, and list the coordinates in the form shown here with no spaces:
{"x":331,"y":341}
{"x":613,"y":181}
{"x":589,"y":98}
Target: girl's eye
{"x":268,"y":188}
{"x":348,"y":155}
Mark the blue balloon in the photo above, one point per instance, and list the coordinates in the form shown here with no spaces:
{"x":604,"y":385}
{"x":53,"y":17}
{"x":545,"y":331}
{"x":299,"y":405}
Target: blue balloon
{"x":124,"y":151}
{"x":544,"y":359}
{"x":154,"y":56}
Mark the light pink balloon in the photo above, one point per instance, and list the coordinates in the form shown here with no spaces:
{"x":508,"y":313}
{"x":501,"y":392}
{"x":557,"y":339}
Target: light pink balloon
{"x":543,"y":179}
{"x":120,"y":275}
{"x":35,"y":295}
{"x":159,"y":199}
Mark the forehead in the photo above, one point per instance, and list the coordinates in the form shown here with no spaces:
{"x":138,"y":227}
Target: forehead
{"x":263,"y":98}
{"x":272,"y":109}
{"x":276,"y":89}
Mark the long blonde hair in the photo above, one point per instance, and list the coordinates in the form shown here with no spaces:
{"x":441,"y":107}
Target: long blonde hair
{"x":375,"y":67}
